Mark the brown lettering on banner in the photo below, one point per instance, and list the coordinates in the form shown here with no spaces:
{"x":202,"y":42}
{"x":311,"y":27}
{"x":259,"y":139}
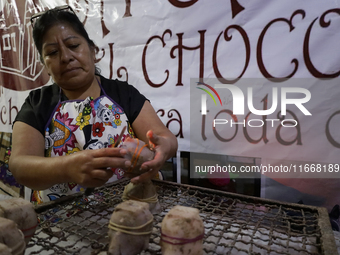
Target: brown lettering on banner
{"x":180,"y":47}
{"x":264,"y":126}
{"x":178,"y":120}
{"x":10,"y":111}
{"x":297,"y":139}
{"x":3,"y":108}
{"x":6,"y":114}
{"x":123,"y":68}
{"x":259,"y":54}
{"x":127,"y":9}
{"x":145,"y":72}
{"x":3,"y":114}
{"x":236,"y":129}
{"x":228,"y":38}
{"x":306,"y":52}
{"x":102,"y":22}
{"x":180,"y":4}
{"x":328,"y":133}
{"x":111,"y":59}
{"x":97,"y":51}
{"x":236,"y":8}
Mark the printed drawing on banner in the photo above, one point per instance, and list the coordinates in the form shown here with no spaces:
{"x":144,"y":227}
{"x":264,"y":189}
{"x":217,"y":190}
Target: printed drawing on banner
{"x":20,"y":68}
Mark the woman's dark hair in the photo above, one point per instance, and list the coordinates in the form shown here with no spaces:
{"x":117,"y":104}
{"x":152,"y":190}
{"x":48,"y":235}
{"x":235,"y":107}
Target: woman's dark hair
{"x":53,"y":17}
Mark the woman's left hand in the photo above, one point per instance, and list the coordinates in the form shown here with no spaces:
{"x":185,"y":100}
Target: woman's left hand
{"x":150,"y":129}
{"x":161,"y":146}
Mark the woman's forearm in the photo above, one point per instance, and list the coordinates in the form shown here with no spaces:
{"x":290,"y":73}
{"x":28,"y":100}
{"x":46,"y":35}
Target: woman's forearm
{"x":37,"y":172}
{"x":88,"y":168}
{"x":173,"y":145}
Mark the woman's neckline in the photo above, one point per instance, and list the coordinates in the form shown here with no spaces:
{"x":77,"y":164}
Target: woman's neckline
{"x":97,"y":93}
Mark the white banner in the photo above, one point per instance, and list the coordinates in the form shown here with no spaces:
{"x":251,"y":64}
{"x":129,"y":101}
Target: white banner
{"x":159,"y":46}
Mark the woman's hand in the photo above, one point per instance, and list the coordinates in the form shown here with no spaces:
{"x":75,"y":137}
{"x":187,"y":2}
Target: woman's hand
{"x":87,"y":168}
{"x":162,"y":146}
{"x":150,"y":129}
{"x":92,"y":168}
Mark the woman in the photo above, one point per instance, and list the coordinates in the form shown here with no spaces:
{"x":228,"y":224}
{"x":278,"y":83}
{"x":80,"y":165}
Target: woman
{"x":62,"y":135}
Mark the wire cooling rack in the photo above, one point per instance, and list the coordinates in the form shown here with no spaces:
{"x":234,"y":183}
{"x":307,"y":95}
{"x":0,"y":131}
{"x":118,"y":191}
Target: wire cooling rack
{"x":234,"y":224}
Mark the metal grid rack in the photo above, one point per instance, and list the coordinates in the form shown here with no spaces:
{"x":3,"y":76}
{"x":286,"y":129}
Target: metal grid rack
{"x":234,"y":224}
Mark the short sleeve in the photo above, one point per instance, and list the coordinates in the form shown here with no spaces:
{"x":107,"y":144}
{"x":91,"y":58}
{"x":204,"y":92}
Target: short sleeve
{"x":38,"y":107}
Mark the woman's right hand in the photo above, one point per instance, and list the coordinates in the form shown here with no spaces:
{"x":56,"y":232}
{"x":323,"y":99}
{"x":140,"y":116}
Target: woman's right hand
{"x":31,"y":168}
{"x":92,"y":168}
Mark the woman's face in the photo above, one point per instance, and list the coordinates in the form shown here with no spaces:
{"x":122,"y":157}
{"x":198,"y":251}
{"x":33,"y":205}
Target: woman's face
{"x":68,"y":57}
